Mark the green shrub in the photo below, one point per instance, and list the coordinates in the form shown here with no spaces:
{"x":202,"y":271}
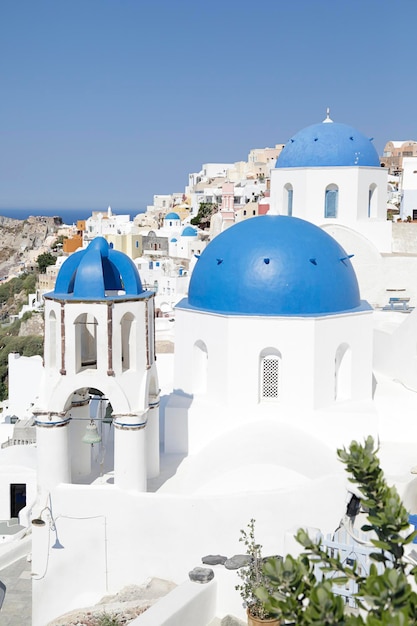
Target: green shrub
{"x":384,"y":599}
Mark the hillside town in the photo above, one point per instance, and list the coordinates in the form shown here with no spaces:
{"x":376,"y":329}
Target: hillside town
{"x":201,"y":365}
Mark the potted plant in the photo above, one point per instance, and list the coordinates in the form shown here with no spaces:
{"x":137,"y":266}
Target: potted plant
{"x":253,"y":578}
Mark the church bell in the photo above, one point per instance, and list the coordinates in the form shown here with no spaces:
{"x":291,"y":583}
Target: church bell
{"x":91,"y":435}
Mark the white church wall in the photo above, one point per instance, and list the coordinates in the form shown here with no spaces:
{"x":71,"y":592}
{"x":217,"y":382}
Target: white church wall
{"x":235,"y":346}
{"x":367,"y":262}
{"x":308,"y":201}
{"x":395,"y":353}
{"x":343,"y":338}
{"x":380,"y":276}
{"x":281,"y":181}
{"x":100,"y":557}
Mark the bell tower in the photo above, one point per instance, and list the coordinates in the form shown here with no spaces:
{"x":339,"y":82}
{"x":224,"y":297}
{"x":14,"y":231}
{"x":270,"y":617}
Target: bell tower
{"x":99,"y":335}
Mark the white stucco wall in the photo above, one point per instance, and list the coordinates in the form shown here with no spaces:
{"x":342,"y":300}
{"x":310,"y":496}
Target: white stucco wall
{"x":309,"y":185}
{"x":307,"y":346}
{"x":112,"y":538}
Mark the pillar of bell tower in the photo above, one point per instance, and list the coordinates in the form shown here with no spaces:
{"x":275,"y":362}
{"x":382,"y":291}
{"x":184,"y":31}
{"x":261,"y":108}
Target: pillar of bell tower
{"x":152,"y":437}
{"x":130,"y":471}
{"x":52,"y":446}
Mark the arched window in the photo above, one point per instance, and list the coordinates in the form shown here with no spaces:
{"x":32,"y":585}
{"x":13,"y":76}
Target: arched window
{"x":343,"y":373}
{"x":331,"y":201}
{"x":128,"y":341}
{"x":200,"y":366}
{"x":52,"y":339}
{"x":270,"y":374}
{"x":86,"y":341}
{"x":288,"y":198}
{"x":372,"y":200}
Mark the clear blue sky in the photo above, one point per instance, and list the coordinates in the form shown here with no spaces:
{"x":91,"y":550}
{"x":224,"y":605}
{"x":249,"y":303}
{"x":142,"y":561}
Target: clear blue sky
{"x":111,"y":101}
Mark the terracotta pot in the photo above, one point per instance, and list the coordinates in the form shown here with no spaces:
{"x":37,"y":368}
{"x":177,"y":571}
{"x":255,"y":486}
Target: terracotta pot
{"x":258,"y":621}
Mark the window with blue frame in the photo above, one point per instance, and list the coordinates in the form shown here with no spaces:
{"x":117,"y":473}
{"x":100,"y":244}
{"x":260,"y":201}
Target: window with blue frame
{"x":372,"y":205}
{"x":331,"y":199}
{"x":289,"y":203}
{"x":288,"y":198}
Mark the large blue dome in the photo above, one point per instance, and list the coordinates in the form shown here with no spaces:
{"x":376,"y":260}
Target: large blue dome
{"x":274,"y":265}
{"x":92,"y":273}
{"x":328,"y":144}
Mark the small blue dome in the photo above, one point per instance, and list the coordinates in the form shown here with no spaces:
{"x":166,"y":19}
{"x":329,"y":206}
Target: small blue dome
{"x":328,"y":144}
{"x":173,"y":240}
{"x":274,"y":265}
{"x":89,"y":274}
{"x":189,"y":231}
{"x":172,"y":216}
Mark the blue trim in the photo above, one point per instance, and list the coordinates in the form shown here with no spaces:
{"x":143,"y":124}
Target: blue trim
{"x":139,"y":425}
{"x":62,"y":297}
{"x":50,"y":424}
{"x":184,"y":305}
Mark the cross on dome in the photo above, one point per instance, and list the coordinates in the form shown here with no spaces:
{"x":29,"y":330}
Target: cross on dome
{"x":328,"y":120}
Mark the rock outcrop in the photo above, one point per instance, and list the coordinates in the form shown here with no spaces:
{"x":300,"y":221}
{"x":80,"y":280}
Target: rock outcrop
{"x":22,"y":241}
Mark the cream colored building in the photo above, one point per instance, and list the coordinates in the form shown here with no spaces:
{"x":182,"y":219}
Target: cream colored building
{"x":394,"y":152}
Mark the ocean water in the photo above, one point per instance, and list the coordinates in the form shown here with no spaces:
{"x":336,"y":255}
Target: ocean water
{"x":69,"y":216}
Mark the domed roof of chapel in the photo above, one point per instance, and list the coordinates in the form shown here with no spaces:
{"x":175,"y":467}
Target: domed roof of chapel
{"x":92,"y":273}
{"x":274,"y":265}
{"x":189,"y":231}
{"x":328,"y":144}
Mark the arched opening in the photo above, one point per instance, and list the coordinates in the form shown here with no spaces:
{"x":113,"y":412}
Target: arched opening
{"x":270,"y":374}
{"x":200,"y":367}
{"x":288,"y":198}
{"x":372,"y":201}
{"x":343,"y":373}
{"x":128,"y":341}
{"x":52,"y":352}
{"x":331,"y":201}
{"x":86,"y":341}
{"x":91,"y":436}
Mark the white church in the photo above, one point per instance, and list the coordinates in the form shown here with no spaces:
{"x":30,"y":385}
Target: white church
{"x":283,"y":352}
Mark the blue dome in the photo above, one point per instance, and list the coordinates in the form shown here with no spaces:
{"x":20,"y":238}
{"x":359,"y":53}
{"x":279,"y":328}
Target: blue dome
{"x":173,"y":240}
{"x":328,"y":144}
{"x":89,"y":274}
{"x":172,"y":216}
{"x":274,"y":265}
{"x":189,"y":231}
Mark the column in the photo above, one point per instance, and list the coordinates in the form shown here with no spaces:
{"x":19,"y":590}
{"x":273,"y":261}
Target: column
{"x":130,"y":451}
{"x":152,"y":437}
{"x":53,"y":450}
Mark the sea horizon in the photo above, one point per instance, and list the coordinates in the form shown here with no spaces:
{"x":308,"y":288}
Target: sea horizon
{"x":69,"y":216}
